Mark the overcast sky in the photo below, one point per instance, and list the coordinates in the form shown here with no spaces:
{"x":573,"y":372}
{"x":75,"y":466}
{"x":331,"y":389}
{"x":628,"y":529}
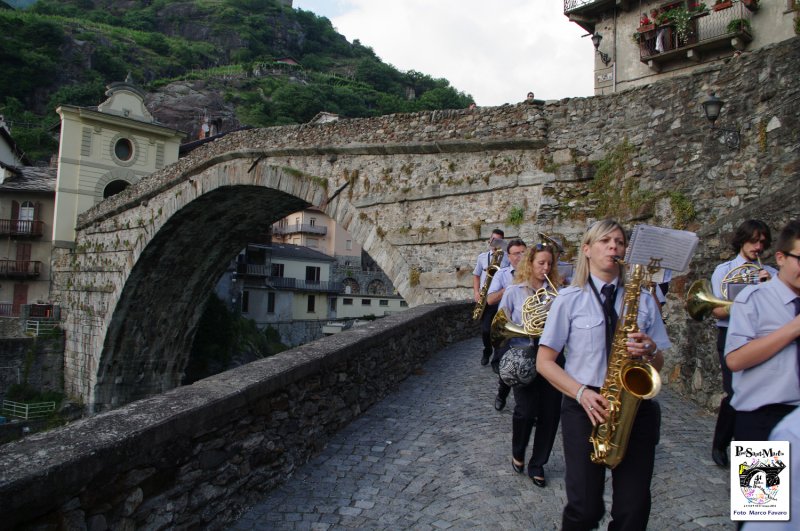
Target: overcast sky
{"x":494,"y":50}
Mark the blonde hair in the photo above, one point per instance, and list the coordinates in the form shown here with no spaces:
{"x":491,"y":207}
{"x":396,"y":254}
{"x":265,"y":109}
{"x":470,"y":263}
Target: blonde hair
{"x":595,"y":232}
{"x":525,"y":268}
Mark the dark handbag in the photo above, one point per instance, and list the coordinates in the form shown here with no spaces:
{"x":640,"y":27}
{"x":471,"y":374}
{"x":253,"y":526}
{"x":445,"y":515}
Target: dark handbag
{"x":518,"y":366}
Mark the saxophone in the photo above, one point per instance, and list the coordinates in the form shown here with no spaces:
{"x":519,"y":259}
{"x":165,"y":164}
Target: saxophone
{"x":480,"y":306}
{"x":628,"y":382}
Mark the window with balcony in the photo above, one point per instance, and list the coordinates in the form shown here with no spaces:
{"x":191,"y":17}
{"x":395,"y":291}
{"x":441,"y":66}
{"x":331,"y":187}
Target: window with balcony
{"x":312,"y":221}
{"x":312,"y":274}
{"x":276,"y":270}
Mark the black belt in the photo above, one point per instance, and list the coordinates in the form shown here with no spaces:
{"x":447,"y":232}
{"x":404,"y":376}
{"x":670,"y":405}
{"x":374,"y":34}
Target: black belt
{"x":775,"y":409}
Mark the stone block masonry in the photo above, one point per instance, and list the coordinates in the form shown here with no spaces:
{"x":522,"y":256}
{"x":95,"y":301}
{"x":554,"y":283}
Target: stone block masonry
{"x":196,"y":456}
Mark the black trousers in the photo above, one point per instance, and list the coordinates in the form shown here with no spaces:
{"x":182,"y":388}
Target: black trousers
{"x":537,"y":402}
{"x":503,"y":389}
{"x":757,"y":425}
{"x":723,"y":431}
{"x":486,"y":326}
{"x":585,"y":481}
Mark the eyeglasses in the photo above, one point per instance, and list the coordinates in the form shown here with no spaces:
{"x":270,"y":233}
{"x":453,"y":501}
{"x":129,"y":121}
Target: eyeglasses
{"x":795,"y":256}
{"x":518,"y":253}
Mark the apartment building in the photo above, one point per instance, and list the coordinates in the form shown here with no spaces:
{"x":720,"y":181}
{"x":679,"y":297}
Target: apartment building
{"x":641,"y":41}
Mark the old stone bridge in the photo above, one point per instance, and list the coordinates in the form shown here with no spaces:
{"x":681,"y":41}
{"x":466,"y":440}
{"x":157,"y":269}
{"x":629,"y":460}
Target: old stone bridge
{"x":421,"y":192}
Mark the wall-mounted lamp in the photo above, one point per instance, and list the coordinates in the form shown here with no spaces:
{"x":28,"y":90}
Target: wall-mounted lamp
{"x":596,"y":38}
{"x":712,"y":107}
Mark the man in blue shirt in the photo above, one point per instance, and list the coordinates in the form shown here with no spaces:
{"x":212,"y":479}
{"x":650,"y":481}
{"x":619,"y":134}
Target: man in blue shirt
{"x":478,"y":280}
{"x":762,"y":345}
{"x":749,"y":241}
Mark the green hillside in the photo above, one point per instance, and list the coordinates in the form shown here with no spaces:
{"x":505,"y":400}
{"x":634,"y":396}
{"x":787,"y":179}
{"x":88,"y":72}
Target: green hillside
{"x":66,"y":51}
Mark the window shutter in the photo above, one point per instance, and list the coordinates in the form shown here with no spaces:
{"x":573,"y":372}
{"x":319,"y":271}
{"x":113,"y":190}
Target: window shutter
{"x":37,"y":211}
{"x":14,"y":210}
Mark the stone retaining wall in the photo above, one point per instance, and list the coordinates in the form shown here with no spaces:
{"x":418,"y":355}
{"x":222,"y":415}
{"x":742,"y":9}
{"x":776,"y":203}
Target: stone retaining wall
{"x":196,"y":456}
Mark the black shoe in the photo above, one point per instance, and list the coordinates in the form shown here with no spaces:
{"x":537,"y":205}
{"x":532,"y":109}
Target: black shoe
{"x":720,"y":457}
{"x":485,"y":360}
{"x":537,"y":476}
{"x":517,"y":468}
{"x":499,"y":403}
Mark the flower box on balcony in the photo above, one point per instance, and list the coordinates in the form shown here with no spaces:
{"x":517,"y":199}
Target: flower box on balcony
{"x":647,"y":27}
{"x":722,"y":5}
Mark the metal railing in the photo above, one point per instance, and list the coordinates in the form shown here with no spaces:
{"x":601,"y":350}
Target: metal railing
{"x":21,"y":227}
{"x":572,"y":5}
{"x":20,"y":268}
{"x":28,"y":411}
{"x":302,"y":285}
{"x":7,"y":310}
{"x":300,"y":227}
{"x":37,"y":327}
{"x":704,"y":27}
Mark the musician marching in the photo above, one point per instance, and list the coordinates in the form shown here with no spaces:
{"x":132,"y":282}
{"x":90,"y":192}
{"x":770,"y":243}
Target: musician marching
{"x":504,"y":277}
{"x":582,"y":320}
{"x":749,"y":242}
{"x":763,"y":345}
{"x":538,"y":402}
{"x":478,"y":280}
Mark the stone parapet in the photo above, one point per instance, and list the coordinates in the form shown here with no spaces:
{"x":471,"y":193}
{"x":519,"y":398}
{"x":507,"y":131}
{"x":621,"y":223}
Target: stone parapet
{"x":196,"y":456}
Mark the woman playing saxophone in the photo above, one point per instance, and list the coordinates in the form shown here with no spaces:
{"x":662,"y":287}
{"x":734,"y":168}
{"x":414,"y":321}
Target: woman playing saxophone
{"x":582,"y":319}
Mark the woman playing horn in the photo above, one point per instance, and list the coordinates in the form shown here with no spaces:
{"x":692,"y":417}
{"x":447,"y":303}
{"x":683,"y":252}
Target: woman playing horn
{"x":537,"y":402}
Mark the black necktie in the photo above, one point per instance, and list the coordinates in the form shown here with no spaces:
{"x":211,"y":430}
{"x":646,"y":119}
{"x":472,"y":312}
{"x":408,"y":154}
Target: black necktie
{"x":609,"y":292}
{"x":797,"y":339}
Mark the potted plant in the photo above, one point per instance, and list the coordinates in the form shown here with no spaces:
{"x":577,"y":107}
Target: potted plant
{"x":722,"y":4}
{"x":681,"y":18}
{"x":739,"y":25}
{"x":645,"y":24}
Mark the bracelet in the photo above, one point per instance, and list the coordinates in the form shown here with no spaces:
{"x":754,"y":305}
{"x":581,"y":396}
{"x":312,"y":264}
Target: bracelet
{"x":579,"y":394}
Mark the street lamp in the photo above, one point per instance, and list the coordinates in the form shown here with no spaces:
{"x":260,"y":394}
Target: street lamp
{"x":596,"y":38}
{"x":712,"y":107}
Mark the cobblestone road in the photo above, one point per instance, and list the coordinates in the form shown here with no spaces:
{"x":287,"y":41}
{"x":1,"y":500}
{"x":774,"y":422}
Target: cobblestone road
{"x":436,"y":455}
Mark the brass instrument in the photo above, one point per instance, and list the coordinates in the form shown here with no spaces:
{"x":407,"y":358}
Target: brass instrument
{"x":534,"y":315}
{"x":700,"y":300}
{"x":628,"y":381}
{"x":494,"y":267}
{"x":743,"y":274}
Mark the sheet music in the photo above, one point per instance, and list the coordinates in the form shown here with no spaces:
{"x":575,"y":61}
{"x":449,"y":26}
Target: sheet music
{"x":674,"y":247}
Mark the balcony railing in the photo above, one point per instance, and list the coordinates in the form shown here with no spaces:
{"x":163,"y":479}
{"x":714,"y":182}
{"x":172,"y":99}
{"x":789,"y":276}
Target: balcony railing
{"x":21,"y":227}
{"x":301,"y":228}
{"x":303,"y":285}
{"x":729,"y":27}
{"x":594,"y":6}
{"x":20,"y":268}
{"x":7,"y":310}
{"x":252,"y":270}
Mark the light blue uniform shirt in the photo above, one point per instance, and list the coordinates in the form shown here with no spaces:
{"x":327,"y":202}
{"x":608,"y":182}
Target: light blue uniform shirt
{"x":576,"y":321}
{"x":757,"y":311}
{"x":502,"y":279}
{"x":513,"y":299}
{"x":722,"y":270}
{"x":483,"y":263}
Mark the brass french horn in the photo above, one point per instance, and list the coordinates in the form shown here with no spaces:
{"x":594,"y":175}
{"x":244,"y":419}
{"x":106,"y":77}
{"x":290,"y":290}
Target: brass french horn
{"x":700,"y":300}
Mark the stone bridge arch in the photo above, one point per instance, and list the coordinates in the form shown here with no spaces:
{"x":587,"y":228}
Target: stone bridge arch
{"x":420,"y":192}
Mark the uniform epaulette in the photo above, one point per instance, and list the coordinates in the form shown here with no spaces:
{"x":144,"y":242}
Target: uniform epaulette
{"x":569,"y":290}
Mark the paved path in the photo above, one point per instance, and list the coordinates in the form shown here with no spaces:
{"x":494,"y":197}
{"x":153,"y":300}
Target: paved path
{"x":436,"y":455}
